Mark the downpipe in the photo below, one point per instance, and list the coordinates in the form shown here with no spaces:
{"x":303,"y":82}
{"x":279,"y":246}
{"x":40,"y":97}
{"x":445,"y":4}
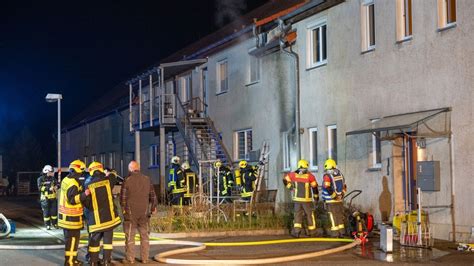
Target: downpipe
{"x":284,"y":28}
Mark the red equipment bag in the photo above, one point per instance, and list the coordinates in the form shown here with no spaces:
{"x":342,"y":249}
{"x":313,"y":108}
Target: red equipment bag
{"x":369,"y":223}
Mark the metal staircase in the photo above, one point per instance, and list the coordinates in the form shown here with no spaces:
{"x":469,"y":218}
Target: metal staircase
{"x":201,"y":137}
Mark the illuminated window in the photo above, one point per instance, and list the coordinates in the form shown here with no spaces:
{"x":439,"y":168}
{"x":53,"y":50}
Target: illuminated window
{"x":111,"y":160}
{"x":222,"y":77}
{"x":446,"y":13}
{"x":317,"y":43}
{"x":404,"y":19}
{"x":286,"y":144}
{"x":332,"y":142}
{"x":368,"y":25}
{"x":242,"y":144}
{"x":313,"y":148}
{"x":186,"y":88}
{"x":102,"y":158}
{"x":254,"y":69}
{"x":375,"y":149}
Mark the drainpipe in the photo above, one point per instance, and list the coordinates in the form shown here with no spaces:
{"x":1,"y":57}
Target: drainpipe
{"x":453,"y":184}
{"x":284,"y":28}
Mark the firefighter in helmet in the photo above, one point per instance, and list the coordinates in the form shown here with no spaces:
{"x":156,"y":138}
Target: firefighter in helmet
{"x":71,"y":211}
{"x":305,"y":191}
{"x":190,"y":183}
{"x":103,"y":216}
{"x":47,"y":186}
{"x":247,"y":176}
{"x":334,"y":188}
{"x":176,"y":182}
{"x":226,"y":181}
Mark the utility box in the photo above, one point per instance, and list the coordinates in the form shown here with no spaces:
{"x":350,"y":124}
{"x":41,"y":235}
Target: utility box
{"x":386,"y":238}
{"x":428,"y":175}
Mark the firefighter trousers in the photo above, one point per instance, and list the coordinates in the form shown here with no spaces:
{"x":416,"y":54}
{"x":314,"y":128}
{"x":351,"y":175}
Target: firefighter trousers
{"x":336,"y":216}
{"x":177,"y":199}
{"x":71,"y":243}
{"x":94,"y":245}
{"x":50,"y":211}
{"x":304,"y":209}
{"x":130,"y":227}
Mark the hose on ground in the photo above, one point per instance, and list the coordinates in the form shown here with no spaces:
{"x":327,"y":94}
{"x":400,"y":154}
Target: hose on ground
{"x":163,"y":257}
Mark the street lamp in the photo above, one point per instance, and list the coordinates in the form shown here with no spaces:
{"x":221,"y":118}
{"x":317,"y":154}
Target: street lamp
{"x":51,"y":98}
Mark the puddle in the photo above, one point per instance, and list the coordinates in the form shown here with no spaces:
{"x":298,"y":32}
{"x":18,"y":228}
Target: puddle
{"x":399,"y":254}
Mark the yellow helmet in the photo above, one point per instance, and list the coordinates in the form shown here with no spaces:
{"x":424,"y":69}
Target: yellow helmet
{"x":218,"y":164}
{"x":329,"y":164}
{"x":185,"y":166}
{"x":77,"y":166}
{"x":95,"y":166}
{"x":243,"y":164}
{"x":303,"y":164}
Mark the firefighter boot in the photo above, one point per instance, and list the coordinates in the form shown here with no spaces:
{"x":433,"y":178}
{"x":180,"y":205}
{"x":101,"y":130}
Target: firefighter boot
{"x":295,"y":233}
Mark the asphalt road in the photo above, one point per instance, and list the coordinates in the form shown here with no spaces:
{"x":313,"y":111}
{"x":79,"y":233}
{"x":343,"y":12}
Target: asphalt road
{"x":27,"y":215}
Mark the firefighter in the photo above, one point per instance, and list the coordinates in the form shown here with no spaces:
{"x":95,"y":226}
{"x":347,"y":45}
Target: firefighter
{"x":103,"y":216}
{"x":190,"y":183}
{"x":176,"y":182}
{"x":47,"y":186}
{"x":247,"y":180}
{"x":71,"y":211}
{"x":226,"y":180}
{"x":305,"y":190}
{"x":334,"y":188}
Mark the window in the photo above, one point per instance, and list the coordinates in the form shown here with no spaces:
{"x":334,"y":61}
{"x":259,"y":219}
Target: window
{"x":313,"y":148}
{"x":332,"y":142}
{"x":243,"y":144}
{"x":222,"y":76}
{"x":154,"y":156}
{"x":368,"y":25}
{"x":446,"y":13}
{"x":93,"y":158}
{"x":85,"y":160}
{"x":102,"y":158}
{"x":317,"y":48}
{"x":254,"y":69}
{"x":404,"y":19}
{"x":111,"y":161}
{"x":286,"y":144}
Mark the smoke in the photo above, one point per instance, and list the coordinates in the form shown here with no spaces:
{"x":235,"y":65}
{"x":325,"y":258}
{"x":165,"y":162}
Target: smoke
{"x":228,"y":11}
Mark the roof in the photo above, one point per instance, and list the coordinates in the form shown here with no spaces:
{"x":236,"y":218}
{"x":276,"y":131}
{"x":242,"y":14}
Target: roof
{"x":401,"y":122}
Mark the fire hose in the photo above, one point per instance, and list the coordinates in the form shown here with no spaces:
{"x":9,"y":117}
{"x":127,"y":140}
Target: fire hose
{"x":198,"y":246}
{"x":7,"y":224}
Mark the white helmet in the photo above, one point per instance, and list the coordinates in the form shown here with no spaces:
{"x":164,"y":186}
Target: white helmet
{"x":175,"y":159}
{"x":47,"y":169}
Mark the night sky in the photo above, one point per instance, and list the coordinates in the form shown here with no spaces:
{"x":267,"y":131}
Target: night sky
{"x":84,"y":48}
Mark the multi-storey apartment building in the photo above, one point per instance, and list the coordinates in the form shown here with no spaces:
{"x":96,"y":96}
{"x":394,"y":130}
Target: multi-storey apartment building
{"x":382,"y":87}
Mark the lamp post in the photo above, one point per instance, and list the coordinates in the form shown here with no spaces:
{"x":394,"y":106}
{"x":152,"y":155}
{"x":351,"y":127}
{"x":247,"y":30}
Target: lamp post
{"x":51,"y":98}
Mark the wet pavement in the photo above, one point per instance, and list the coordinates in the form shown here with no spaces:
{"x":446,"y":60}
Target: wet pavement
{"x":27,"y":215}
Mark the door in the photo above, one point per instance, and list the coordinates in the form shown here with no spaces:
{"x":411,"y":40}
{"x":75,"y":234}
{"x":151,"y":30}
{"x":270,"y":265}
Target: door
{"x":204,"y":90}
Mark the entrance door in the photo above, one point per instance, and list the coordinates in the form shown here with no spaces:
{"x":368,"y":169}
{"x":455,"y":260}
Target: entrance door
{"x":404,"y":154}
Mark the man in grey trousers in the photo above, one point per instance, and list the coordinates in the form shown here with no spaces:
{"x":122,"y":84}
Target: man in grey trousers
{"x":138,"y":201}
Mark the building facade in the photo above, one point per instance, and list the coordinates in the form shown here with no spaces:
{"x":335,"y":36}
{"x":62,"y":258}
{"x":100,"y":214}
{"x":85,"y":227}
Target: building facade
{"x":382,"y":87}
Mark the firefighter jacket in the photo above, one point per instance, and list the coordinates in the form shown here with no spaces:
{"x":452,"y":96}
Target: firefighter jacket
{"x":102,"y":213}
{"x":70,"y":203}
{"x":304,"y":185}
{"x":248,"y":177}
{"x":190,"y":183}
{"x":334,"y":186}
{"x":176,"y":179}
{"x":226,"y":181}
{"x":47,"y":186}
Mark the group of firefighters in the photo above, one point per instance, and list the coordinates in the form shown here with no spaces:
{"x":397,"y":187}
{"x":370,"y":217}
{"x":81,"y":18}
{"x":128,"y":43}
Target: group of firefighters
{"x":182,"y":182}
{"x":305,"y":193}
{"x":82,"y":200}
{"x":91,"y":199}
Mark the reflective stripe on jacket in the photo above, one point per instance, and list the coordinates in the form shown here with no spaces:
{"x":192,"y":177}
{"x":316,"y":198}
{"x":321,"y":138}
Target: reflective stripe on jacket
{"x":70,"y":208}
